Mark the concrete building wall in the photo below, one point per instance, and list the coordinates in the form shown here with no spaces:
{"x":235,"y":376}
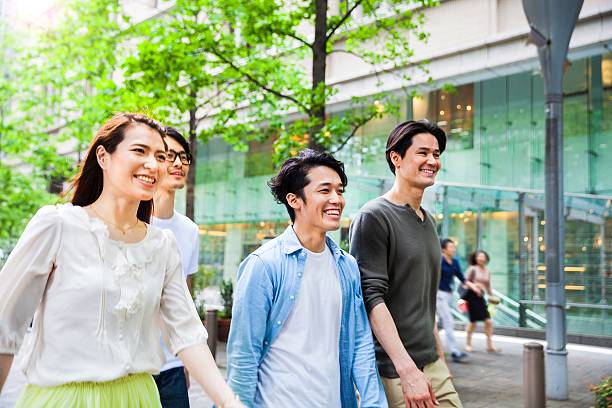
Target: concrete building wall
{"x":474,"y":40}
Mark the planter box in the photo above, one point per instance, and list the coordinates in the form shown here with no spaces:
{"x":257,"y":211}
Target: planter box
{"x":223,"y":326}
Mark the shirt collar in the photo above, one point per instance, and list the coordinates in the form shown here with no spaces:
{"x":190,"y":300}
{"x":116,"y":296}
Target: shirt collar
{"x":291,"y":243}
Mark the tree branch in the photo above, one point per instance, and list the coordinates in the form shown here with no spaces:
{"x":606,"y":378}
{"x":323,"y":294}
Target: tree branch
{"x":216,"y":94}
{"x":350,"y":53}
{"x":295,"y":37}
{"x":258,"y":82}
{"x":375,"y":71}
{"x":332,"y":30}
{"x":350,"y":136}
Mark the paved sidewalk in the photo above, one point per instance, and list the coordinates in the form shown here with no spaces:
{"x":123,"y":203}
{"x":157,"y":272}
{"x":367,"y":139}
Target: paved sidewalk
{"x":496,"y":380}
{"x":483,"y":380}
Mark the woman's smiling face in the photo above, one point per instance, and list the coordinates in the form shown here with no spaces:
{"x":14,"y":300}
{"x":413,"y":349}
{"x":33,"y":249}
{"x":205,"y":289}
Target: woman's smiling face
{"x":133,"y":169}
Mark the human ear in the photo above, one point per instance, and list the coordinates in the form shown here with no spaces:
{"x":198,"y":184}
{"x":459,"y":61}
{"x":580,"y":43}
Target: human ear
{"x":293,"y":201}
{"x":395,"y":158}
{"x":101,"y":156}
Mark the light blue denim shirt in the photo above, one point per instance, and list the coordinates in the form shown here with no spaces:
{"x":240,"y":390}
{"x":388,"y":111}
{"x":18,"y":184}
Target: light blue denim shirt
{"x":268,"y":283}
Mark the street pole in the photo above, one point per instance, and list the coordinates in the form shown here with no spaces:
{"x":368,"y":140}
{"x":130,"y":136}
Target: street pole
{"x":552,"y":23}
{"x":445,"y":220}
{"x":535,"y":247}
{"x":523,"y":258}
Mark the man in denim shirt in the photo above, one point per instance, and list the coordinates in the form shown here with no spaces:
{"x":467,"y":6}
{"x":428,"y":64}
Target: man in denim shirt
{"x":300,"y":335}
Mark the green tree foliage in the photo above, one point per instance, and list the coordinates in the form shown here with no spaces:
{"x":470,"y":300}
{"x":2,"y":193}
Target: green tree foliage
{"x":57,"y":87}
{"x":66,"y":84}
{"x":20,"y":195}
{"x":257,"y":69}
{"x":240,"y":70}
{"x":251,"y":65}
{"x":20,"y":198}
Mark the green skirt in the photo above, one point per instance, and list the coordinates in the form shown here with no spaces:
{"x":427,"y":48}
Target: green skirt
{"x":132,"y":391}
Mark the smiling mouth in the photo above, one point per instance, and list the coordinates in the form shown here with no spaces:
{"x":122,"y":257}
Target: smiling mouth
{"x":428,"y":171}
{"x":178,"y":173}
{"x":333,"y":211}
{"x":146,"y":179}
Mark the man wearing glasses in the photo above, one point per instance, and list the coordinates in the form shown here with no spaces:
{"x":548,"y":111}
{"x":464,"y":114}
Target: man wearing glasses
{"x":173,"y":381}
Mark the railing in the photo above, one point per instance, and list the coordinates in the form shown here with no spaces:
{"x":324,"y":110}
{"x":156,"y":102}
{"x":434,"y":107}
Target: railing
{"x":508,"y":313}
{"x":569,"y":305}
{"x":513,"y":309}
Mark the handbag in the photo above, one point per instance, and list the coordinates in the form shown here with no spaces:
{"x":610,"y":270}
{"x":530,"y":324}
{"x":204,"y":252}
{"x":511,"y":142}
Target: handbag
{"x":462,"y":305}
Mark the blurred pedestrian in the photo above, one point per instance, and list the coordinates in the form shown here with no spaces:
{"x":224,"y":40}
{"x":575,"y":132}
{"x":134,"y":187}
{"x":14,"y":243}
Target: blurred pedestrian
{"x":173,"y":379}
{"x":479,"y":275}
{"x":300,"y":335}
{"x":444,"y":299}
{"x":101,"y":283}
{"x":398,"y":251}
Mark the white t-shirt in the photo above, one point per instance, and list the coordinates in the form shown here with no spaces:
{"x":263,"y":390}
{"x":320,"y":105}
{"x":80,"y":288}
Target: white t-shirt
{"x":302,"y":367}
{"x":188,"y":239}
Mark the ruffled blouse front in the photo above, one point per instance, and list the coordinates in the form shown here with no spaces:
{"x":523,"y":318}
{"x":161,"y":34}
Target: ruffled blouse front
{"x":98,"y":304}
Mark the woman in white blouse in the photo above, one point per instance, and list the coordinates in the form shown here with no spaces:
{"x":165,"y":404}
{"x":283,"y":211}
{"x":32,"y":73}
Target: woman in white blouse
{"x":101,"y":282}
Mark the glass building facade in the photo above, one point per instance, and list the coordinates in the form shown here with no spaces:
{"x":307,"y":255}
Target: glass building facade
{"x":489,"y":193}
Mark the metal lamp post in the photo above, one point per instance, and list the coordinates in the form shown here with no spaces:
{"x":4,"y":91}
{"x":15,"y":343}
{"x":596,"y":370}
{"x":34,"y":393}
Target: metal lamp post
{"x":552,"y":23}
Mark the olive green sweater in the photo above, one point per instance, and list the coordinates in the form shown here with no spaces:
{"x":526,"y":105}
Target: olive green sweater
{"x":399,"y":259}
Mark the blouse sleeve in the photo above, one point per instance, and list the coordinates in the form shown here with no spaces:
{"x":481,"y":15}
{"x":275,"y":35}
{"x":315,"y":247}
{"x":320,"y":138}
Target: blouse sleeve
{"x":24,"y":276}
{"x":181,"y":325}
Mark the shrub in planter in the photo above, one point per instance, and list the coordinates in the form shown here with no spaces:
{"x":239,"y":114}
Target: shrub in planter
{"x":225,"y":317}
{"x":603,"y":393}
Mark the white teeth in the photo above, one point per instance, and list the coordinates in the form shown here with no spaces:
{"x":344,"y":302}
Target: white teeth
{"x":427,"y":171}
{"x":146,"y":179}
{"x":332,"y":212}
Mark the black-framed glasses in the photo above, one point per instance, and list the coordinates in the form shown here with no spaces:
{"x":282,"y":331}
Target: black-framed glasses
{"x":184,"y":157}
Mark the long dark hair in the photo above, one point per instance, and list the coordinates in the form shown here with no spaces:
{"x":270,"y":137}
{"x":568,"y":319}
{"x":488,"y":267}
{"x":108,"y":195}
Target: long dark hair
{"x":88,"y":183}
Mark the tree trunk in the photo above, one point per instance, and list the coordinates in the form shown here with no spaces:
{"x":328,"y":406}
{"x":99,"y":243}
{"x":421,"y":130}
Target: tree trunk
{"x":191,"y":177}
{"x":319,"y":51}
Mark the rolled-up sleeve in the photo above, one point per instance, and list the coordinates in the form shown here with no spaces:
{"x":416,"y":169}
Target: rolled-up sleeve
{"x":25,"y":274}
{"x":368,"y":244}
{"x":181,"y":325}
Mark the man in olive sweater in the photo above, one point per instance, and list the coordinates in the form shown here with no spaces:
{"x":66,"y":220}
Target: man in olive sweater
{"x":398,"y":253}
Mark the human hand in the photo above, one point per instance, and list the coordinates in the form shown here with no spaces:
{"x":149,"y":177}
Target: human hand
{"x":233,"y":402}
{"x":417,"y":390}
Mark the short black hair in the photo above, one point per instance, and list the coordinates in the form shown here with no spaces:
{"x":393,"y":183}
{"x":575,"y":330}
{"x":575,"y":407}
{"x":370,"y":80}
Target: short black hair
{"x":474,"y":255}
{"x":293,"y":175}
{"x":400,"y":138}
{"x":444,"y":242}
{"x":176,"y":135}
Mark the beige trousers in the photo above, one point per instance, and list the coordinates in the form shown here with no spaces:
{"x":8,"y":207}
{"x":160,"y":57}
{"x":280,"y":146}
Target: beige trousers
{"x":437,"y":372}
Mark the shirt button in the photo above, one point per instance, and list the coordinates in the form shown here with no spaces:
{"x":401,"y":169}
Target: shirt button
{"x":128,"y":367}
{"x":300,"y":274}
{"x":266,"y":342}
{"x":291,"y":297}
{"x":279,"y":322}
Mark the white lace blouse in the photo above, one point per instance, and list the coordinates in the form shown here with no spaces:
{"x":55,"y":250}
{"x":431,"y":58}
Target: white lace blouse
{"x":98,"y":304}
